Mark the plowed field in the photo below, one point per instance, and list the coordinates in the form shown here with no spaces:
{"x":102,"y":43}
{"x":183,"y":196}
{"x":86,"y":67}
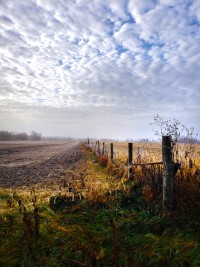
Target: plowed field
{"x":30,"y":163}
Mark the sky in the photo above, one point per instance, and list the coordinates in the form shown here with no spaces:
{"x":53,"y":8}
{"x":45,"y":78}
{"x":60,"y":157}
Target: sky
{"x":98,"y":68}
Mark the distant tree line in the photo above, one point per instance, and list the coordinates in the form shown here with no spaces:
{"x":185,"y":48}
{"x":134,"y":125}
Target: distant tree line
{"x":11,"y":136}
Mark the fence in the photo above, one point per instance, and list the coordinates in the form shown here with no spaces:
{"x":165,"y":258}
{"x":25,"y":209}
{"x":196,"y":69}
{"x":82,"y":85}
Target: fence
{"x":167,"y":168}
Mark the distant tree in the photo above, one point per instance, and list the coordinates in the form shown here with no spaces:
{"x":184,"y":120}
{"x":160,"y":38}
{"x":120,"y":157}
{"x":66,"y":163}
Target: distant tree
{"x":5,"y":136}
{"x":11,"y":136}
{"x":21,"y":136}
{"x":35,"y":136}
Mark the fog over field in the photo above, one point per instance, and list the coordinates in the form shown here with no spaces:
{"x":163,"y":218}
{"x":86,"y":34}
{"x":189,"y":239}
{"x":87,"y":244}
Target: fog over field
{"x":98,"y":68}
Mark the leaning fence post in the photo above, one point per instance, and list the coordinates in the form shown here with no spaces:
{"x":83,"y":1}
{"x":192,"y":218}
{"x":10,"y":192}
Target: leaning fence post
{"x":98,"y":146}
{"x":130,"y":159}
{"x":111,"y":151}
{"x":168,"y":171}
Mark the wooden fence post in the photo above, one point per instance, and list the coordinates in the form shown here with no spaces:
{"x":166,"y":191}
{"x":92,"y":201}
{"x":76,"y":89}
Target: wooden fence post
{"x":111,"y":151}
{"x":95,"y":145}
{"x":98,"y":146}
{"x":103,"y":148}
{"x":130,"y":159}
{"x":88,"y":141}
{"x":168,"y":173}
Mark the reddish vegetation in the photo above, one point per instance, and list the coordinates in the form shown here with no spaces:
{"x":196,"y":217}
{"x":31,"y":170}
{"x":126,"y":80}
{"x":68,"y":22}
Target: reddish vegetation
{"x":28,"y":163}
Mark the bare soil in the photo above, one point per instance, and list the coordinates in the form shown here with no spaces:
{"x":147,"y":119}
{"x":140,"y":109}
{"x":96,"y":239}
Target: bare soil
{"x":31,"y":163}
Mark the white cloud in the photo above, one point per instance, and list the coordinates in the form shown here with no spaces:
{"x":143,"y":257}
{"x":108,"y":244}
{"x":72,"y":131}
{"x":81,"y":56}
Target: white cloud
{"x":93,"y":62}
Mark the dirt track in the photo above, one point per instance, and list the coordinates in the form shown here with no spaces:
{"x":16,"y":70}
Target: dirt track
{"x":30,"y":163}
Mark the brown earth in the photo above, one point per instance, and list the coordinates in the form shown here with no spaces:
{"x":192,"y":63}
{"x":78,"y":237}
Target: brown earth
{"x":34,"y":163}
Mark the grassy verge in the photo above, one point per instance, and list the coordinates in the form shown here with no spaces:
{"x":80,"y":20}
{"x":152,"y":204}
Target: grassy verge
{"x":99,"y":221}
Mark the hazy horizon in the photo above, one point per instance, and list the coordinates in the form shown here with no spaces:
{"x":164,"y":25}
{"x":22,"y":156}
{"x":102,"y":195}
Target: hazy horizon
{"x":98,"y":68}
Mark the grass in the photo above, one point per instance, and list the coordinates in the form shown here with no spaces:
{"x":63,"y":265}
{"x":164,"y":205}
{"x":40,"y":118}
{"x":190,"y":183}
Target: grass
{"x":103,"y":220}
{"x":152,"y":152}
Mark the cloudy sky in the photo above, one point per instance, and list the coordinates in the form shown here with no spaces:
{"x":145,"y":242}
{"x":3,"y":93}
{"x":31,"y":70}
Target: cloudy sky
{"x":98,"y":68}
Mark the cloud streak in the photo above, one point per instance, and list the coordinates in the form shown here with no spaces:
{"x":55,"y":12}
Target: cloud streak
{"x":98,"y":63}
